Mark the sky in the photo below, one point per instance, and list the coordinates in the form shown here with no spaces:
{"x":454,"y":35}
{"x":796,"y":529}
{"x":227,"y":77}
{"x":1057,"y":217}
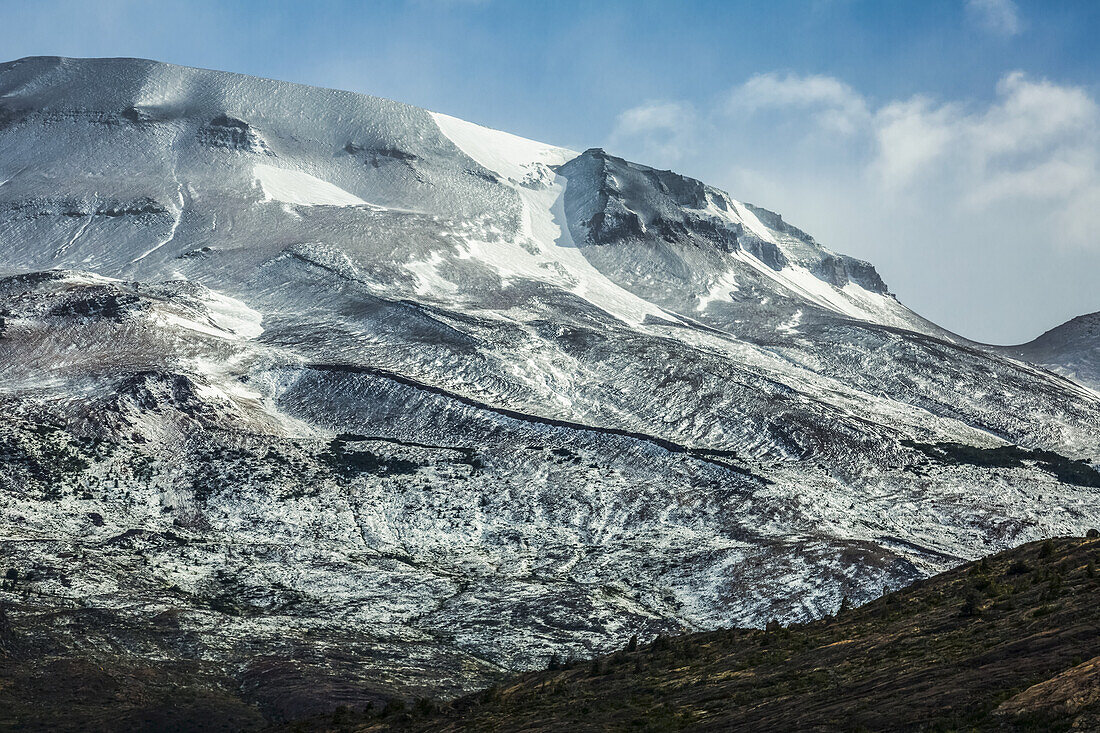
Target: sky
{"x":955,"y":144}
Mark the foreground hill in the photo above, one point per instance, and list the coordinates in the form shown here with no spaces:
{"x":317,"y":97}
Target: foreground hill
{"x":1008,"y":643}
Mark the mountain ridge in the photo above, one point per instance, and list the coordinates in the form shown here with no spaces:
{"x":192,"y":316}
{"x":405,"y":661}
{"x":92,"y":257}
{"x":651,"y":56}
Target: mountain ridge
{"x":60,"y":63}
{"x":1071,"y":349}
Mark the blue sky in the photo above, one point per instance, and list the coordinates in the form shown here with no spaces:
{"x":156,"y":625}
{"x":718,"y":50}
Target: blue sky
{"x":954,"y":143}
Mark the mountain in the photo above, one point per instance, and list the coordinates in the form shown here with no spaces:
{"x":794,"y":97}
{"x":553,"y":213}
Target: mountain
{"x":1072,"y":349}
{"x":334,"y":400}
{"x":1005,"y":644}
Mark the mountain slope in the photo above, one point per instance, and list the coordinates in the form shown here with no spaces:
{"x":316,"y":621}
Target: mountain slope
{"x":1008,"y":644}
{"x":1072,"y":349}
{"x":417,"y":403}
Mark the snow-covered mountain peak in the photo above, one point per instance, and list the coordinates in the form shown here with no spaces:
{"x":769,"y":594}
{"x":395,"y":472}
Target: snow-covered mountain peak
{"x":176,"y":138}
{"x":511,"y":157}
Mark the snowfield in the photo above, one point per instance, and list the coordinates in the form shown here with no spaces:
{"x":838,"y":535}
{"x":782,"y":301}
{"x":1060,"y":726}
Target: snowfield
{"x":295,"y":187}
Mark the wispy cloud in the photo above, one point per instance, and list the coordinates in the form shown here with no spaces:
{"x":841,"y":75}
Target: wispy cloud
{"x":664,"y":130}
{"x":834,"y":104}
{"x":1037,"y":142}
{"x":999,"y":17}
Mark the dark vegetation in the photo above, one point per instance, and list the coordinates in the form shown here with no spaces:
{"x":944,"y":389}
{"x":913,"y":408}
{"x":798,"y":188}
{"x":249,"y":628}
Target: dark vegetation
{"x":48,"y":456}
{"x":224,"y":469}
{"x":1067,"y":470}
{"x":720,"y":458}
{"x":65,"y":694}
{"x":349,"y":463}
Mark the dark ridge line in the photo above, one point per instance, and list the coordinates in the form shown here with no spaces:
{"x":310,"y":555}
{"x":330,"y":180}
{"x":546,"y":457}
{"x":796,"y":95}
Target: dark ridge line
{"x":887,"y":540}
{"x":707,"y":455}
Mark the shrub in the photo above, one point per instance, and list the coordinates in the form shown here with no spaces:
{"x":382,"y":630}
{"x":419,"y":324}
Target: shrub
{"x":660,"y":644}
{"x":394,"y":706}
{"x":972,"y":606}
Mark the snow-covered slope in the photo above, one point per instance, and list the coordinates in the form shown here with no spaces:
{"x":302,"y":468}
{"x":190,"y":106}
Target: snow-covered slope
{"x":348,"y":381}
{"x":1072,"y":349}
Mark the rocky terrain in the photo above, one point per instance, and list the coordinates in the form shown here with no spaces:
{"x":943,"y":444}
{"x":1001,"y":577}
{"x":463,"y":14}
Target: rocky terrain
{"x":321,"y":399}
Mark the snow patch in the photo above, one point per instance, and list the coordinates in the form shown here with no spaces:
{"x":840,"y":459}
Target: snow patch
{"x":226,"y":318}
{"x":552,"y":256}
{"x":790,"y":326}
{"x":234,"y":316}
{"x":296,"y":187}
{"x":719,"y":291}
{"x":509,"y":156}
{"x":752,"y":223}
{"x":429,"y":281}
{"x":87,"y":278}
{"x":171,"y":232}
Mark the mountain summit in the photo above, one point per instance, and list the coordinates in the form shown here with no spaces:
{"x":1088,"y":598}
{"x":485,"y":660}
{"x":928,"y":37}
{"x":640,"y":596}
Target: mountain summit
{"x":401,"y":403}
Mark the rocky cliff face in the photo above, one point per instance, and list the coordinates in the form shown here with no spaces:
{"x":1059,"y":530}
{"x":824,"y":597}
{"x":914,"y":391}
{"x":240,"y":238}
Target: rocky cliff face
{"x":396,"y":403}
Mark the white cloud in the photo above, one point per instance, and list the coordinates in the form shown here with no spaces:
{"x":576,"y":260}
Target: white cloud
{"x":665,"y":131}
{"x":1079,"y":219}
{"x":651,"y":116}
{"x":1050,"y":180}
{"x":910,"y":136}
{"x":1038,"y":141}
{"x":833,"y":103}
{"x":999,"y":17}
{"x":1033,"y":115}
